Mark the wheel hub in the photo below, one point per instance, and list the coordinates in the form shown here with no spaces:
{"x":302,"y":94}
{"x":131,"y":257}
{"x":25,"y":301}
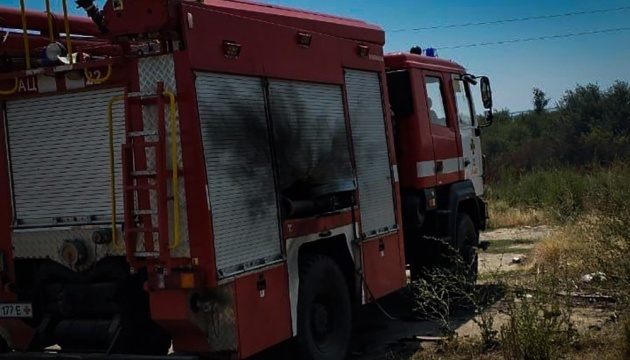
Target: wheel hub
{"x":322,"y":320}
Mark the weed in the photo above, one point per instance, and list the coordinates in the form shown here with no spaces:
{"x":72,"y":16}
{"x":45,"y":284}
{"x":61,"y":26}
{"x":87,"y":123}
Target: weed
{"x":503,"y":215}
{"x":441,"y":292}
{"x":560,"y":195}
{"x":521,"y":246}
{"x":626,"y":336}
{"x":540,"y":325}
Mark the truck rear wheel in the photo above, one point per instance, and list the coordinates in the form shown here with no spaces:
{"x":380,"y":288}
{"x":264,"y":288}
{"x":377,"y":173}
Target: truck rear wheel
{"x":4,"y":346}
{"x":467,"y":242}
{"x":324,"y":318}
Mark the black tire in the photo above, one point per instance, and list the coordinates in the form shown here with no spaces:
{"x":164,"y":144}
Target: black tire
{"x":467,"y":243}
{"x":4,"y":346}
{"x":324,"y":313}
{"x":142,"y":338}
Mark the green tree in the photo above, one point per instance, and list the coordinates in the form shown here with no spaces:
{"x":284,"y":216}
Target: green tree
{"x":591,"y":124}
{"x":540,"y":101}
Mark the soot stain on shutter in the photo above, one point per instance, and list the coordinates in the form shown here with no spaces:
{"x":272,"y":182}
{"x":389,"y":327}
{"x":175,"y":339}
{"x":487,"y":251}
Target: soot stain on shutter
{"x":310,"y":143}
{"x":246,"y":154}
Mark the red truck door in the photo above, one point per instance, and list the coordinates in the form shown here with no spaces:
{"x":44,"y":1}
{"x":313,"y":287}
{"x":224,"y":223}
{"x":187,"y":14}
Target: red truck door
{"x":443,"y":129}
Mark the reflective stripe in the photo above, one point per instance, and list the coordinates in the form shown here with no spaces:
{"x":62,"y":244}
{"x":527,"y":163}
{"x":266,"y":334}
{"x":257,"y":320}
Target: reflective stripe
{"x":425,"y":168}
{"x":449,"y":166}
{"x":395,"y":171}
{"x":47,"y":84}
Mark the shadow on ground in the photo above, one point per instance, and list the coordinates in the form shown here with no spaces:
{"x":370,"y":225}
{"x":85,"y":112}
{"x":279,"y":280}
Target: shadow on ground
{"x":387,"y":330}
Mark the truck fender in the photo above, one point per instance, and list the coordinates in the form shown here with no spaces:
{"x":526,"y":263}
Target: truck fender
{"x":459,"y":193}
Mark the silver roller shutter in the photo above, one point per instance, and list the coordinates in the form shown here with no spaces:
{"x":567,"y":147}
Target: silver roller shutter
{"x":240,"y":171}
{"x":60,"y":155}
{"x":365,"y":105}
{"x":310,"y":132}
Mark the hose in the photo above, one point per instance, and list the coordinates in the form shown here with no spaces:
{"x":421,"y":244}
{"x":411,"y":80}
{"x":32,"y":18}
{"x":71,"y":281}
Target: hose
{"x":94,"y":13}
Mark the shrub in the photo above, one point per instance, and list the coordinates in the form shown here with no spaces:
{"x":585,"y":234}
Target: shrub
{"x":540,"y":325}
{"x":562,"y":194}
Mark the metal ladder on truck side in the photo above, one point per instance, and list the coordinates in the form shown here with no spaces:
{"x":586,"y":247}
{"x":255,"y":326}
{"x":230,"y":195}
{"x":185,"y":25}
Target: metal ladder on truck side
{"x":145,"y":188}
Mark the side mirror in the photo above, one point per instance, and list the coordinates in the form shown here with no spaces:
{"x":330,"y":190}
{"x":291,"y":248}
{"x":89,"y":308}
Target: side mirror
{"x":486,"y":93}
{"x":471,"y":79}
{"x":488,"y":120}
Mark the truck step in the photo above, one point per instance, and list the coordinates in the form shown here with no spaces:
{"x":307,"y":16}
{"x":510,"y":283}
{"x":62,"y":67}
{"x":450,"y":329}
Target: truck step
{"x":142,"y":230}
{"x":147,"y":254}
{"x":140,"y":187}
{"x":143,"y":173}
{"x":142,"y":133}
{"x":144,"y":212}
{"x":148,"y":144}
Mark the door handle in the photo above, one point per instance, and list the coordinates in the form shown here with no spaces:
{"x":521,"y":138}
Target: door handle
{"x":439,"y":166}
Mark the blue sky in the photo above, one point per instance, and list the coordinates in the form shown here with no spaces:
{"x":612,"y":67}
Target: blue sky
{"x":514,"y":69}
{"x":553,"y":65}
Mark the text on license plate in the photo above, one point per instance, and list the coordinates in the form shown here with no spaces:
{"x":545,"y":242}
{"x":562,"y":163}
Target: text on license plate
{"x":16,"y":311}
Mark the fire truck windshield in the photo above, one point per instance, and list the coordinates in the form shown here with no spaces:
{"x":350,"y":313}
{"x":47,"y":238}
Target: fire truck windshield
{"x":465,"y":112}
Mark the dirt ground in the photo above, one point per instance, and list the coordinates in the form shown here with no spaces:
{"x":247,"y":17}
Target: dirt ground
{"x":401,"y":337}
{"x":509,"y":248}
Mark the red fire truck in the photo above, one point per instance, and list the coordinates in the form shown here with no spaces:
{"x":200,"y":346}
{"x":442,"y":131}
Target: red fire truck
{"x":220,"y":176}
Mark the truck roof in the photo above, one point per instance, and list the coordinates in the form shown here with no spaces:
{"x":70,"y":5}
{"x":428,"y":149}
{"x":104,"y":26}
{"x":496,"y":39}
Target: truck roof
{"x":396,"y":61}
{"x":337,"y":26}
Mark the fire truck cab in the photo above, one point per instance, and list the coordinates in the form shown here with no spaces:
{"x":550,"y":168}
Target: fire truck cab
{"x":218,"y":177}
{"x":438,"y":148}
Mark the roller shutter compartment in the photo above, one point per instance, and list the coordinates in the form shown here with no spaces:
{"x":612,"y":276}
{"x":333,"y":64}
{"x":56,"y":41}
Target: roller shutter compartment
{"x":59,"y":149}
{"x":369,"y":137}
{"x":311,"y":139}
{"x":240,"y":171}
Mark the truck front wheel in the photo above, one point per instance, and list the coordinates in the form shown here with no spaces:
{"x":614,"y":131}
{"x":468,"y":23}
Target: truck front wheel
{"x":467,"y":243}
{"x":324,"y":318}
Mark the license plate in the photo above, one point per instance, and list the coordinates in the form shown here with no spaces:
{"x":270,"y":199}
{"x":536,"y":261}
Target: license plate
{"x":16,"y":311}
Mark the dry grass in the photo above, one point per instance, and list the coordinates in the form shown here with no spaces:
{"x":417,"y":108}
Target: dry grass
{"x":592,"y":245}
{"x":608,"y":343}
{"x":600,"y":245}
{"x":593,"y":239}
{"x":564,"y":246}
{"x":504,"y":216}
{"x":589,"y":245}
{"x":458,"y":349}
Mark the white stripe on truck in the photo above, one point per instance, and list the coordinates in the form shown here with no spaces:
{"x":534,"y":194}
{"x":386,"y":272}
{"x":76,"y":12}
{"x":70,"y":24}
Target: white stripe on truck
{"x":449,"y":166}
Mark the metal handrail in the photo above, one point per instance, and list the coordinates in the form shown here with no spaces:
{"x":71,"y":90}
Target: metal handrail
{"x":67,"y":26}
{"x":51,"y":35}
{"x":27,"y":49}
{"x":173,"y":123}
{"x":12,"y":91}
{"x":112,"y":175}
{"x":89,"y":77}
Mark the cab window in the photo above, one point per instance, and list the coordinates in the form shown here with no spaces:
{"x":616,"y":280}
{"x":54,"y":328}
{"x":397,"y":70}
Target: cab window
{"x":435,"y":101}
{"x":463,"y":101}
{"x":400,"y":93}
